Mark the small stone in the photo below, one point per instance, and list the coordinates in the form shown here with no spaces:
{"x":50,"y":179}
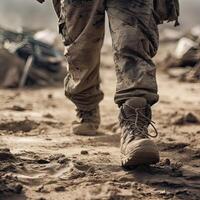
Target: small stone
{"x":134,"y":184}
{"x":178,"y":165}
{"x":105,"y":153}
{"x":43,"y":161}
{"x":42,"y":189}
{"x":50,"y":96}
{"x":84,"y":152}
{"x":182,"y":192}
{"x":167,"y":161}
{"x":48,"y":115}
{"x":63,"y":160}
{"x":5,"y":154}
{"x":42,"y":131}
{"x":18,"y":188}
{"x":60,"y":189}
{"x":18,"y":108}
{"x":163,"y":193}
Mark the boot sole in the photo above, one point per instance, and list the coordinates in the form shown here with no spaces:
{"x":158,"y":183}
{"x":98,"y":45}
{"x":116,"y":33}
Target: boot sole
{"x":145,"y":153}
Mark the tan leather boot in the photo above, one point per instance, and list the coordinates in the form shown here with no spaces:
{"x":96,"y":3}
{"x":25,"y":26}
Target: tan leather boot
{"x":136,"y":146}
{"x":87,"y":122}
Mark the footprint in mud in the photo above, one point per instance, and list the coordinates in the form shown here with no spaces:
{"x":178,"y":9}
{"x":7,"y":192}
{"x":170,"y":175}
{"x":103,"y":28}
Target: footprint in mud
{"x":32,"y":169}
{"x":174,"y":178}
{"x":74,"y":170}
{"x":108,"y":190}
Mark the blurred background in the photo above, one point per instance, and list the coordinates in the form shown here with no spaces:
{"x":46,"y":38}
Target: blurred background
{"x":15,"y":13}
{"x":25,"y":25}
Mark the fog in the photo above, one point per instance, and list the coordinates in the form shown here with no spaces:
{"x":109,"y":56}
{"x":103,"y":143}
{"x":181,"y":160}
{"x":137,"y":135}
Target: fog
{"x":29,"y":13}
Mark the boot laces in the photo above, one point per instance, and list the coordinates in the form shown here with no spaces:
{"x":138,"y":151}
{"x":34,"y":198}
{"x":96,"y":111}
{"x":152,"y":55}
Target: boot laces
{"x":137,"y":123}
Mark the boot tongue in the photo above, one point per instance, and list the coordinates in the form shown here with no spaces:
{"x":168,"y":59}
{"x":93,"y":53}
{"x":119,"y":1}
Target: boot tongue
{"x":133,"y":103}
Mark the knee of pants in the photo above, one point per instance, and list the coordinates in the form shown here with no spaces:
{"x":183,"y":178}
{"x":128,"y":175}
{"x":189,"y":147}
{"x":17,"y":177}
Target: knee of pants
{"x":135,"y":35}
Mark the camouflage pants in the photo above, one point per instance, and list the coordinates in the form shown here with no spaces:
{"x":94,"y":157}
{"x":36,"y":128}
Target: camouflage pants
{"x":134,"y":35}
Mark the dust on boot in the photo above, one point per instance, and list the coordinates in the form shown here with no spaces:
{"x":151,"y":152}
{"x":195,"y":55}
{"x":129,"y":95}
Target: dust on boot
{"x":136,"y":146}
{"x":87,"y":122}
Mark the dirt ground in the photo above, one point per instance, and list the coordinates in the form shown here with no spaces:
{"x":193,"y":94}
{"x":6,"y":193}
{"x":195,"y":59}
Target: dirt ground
{"x":41,"y":159}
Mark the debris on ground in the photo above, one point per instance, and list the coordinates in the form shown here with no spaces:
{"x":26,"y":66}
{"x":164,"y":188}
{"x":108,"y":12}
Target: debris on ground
{"x":30,"y":59}
{"x":188,"y":118}
{"x":8,"y":183}
{"x":184,"y":62}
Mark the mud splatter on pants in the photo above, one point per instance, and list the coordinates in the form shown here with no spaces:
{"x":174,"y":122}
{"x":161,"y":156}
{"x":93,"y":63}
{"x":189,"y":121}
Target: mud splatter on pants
{"x":134,"y":35}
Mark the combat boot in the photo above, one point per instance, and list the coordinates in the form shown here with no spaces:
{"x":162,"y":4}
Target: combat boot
{"x":136,"y":146}
{"x":87,"y":122}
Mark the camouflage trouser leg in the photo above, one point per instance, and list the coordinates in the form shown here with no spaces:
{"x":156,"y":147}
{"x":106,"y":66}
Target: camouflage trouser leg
{"x":135,"y":41}
{"x":82,"y":24}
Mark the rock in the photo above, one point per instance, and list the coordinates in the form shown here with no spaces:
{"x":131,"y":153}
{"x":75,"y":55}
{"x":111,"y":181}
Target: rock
{"x":105,"y":153}
{"x":43,"y":161}
{"x":167,"y":161}
{"x":18,"y":108}
{"x":84,"y":152}
{"x":187,"y":118}
{"x":166,"y":194}
{"x":63,"y":160}
{"x":5,"y":154}
{"x":191,"y":118}
{"x":18,"y":188}
{"x":60,"y":189}
{"x":48,"y":115}
{"x":50,"y":96}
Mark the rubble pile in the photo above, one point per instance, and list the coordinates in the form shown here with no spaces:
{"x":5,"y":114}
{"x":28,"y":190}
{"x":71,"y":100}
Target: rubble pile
{"x":184,"y":62}
{"x":30,"y":59}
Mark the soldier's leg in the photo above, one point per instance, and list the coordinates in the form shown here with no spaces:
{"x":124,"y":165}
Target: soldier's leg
{"x":135,"y":40}
{"x":81,"y":24}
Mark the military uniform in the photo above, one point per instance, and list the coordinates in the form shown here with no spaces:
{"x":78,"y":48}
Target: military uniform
{"x":134,"y":34}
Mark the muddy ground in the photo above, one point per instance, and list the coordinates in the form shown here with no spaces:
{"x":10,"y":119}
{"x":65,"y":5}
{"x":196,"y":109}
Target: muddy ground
{"x":41,"y":159}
